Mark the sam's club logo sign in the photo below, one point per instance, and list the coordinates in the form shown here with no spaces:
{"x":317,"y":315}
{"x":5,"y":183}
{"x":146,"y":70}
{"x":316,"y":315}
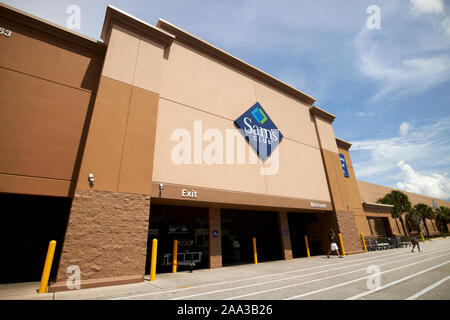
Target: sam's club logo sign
{"x":259,"y":131}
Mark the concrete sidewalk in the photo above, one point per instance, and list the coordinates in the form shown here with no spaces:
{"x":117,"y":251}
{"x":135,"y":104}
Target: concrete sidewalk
{"x":202,"y":277}
{"x":164,"y":281}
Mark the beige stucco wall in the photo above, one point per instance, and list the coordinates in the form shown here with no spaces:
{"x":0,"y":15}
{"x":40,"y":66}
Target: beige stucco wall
{"x":300,"y":173}
{"x":195,"y":87}
{"x":173,"y":116}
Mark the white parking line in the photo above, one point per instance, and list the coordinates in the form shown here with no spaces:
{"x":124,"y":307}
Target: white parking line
{"x":317,"y":280}
{"x":396,"y":282}
{"x":284,"y":279}
{"x":278,"y":280}
{"x":359,"y":279}
{"x":418,"y":294}
{"x":367,"y":259}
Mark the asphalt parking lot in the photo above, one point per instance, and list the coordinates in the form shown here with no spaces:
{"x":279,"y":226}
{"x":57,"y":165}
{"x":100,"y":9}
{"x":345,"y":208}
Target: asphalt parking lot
{"x":395,"y":274}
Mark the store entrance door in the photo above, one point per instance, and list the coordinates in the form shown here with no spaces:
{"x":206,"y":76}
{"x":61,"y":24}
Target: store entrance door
{"x":242,"y":226}
{"x":379,"y":227}
{"x":299,"y":223}
{"x":187,"y":225}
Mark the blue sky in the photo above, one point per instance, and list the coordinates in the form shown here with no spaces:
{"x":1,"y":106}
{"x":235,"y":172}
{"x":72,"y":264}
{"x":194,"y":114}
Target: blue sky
{"x":388,"y":87}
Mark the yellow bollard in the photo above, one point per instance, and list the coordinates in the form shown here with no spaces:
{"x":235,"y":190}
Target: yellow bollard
{"x":364,"y":242}
{"x":421,"y":234}
{"x":307,"y":246}
{"x":175,"y":253}
{"x":47,"y":266}
{"x":342,"y":245}
{"x":153,"y":262}
{"x":255,"y":254}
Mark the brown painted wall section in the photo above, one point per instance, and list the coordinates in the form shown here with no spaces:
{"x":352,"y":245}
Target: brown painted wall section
{"x":119,"y":149}
{"x":351,"y":191}
{"x":43,"y":55}
{"x":41,"y":126}
{"x":47,"y":93}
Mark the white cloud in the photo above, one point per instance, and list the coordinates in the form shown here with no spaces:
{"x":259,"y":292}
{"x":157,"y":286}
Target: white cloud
{"x":433,"y":185}
{"x":400,"y":65}
{"x":445,"y":26}
{"x":411,"y":77}
{"x":404,"y":128}
{"x":419,"y":7}
{"x":362,"y":114}
{"x":425,"y":148}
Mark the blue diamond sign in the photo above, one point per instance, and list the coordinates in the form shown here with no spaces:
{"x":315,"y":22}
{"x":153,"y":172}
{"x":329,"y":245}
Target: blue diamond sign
{"x":259,"y":130}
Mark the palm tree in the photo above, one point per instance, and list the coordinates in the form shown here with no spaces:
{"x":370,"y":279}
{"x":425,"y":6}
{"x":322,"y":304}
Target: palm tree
{"x":424,"y":212}
{"x":401,"y":205}
{"x":413,"y":220}
{"x":443,"y":218}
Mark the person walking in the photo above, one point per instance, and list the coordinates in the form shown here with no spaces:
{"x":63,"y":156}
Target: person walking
{"x":236,"y":246}
{"x":414,"y":241}
{"x":333,"y":245}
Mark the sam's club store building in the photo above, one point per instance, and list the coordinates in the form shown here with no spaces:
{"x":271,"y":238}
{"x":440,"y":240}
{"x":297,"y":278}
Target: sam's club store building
{"x":154,"y":133}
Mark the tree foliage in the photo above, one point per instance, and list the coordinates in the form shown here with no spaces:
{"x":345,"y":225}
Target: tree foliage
{"x":443,"y":218}
{"x":399,"y":200}
{"x":421,"y":211}
{"x":401,"y":204}
{"x":443,"y":214}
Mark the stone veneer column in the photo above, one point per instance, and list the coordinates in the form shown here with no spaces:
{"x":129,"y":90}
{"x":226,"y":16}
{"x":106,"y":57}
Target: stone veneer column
{"x":350,"y":233}
{"x":285,"y":238}
{"x":106,"y":238}
{"x":215,"y":243}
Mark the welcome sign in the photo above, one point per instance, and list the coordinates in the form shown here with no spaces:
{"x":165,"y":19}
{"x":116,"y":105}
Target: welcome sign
{"x":259,"y":130}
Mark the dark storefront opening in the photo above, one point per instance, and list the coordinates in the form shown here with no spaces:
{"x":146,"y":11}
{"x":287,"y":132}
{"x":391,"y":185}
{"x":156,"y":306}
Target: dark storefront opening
{"x":187,"y":225}
{"x":243,"y":225}
{"x":28,"y":224}
{"x":298,"y":227}
{"x":379,"y":227}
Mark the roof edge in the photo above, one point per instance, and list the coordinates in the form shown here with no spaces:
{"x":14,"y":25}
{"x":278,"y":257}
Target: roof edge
{"x":322,"y":113}
{"x":377,"y":204}
{"x":384,"y":208}
{"x":344,"y":144}
{"x":114,"y":15}
{"x":53,"y":29}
